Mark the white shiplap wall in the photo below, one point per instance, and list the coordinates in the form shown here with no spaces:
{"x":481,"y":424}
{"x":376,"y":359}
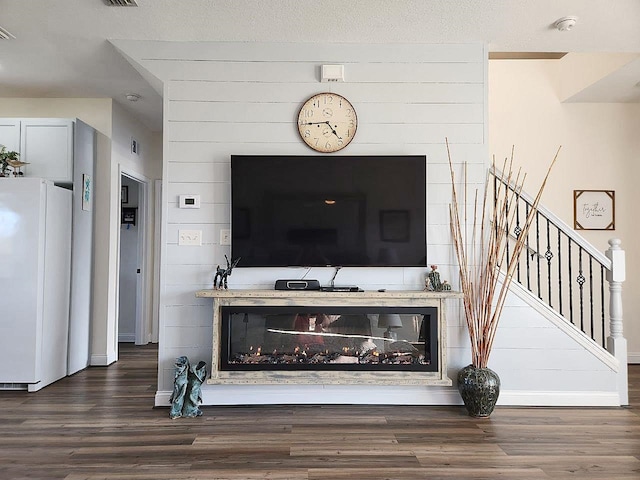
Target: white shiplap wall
{"x":243,"y":98}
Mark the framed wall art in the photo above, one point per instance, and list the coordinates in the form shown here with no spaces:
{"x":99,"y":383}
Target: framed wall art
{"x":594,"y":209}
{"x":87,"y":192}
{"x":128,"y":216}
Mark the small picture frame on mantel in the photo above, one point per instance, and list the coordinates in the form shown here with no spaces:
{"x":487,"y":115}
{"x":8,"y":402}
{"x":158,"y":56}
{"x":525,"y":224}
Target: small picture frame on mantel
{"x":594,"y":209}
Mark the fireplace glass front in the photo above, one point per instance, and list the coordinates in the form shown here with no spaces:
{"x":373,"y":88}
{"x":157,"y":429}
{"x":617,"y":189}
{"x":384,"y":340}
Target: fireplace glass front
{"x":329,"y":338}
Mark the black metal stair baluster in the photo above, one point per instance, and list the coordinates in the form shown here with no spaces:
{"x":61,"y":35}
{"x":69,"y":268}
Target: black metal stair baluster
{"x":517,"y":231}
{"x":528,"y":252}
{"x":602,"y":305}
{"x":580,"y":279}
{"x":559,"y":271}
{"x":570,"y":286}
{"x":549,"y":256}
{"x":593,"y":337}
{"x":506,"y":226}
{"x":538,"y":252}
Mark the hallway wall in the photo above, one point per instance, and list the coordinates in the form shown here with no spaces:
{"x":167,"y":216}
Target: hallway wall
{"x":115,"y":127}
{"x":600,"y":151}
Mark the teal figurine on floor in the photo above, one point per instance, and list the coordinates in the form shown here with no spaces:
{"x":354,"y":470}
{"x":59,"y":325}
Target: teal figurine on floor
{"x":187,"y":382}
{"x":179,"y":386}
{"x":195,"y":378}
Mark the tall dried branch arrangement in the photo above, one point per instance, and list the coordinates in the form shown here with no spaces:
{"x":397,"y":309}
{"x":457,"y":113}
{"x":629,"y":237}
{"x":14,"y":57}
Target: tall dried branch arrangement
{"x":482,"y":256}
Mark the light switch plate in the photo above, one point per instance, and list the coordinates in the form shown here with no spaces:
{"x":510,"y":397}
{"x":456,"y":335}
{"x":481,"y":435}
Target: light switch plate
{"x":225,"y":236}
{"x":189,"y":237}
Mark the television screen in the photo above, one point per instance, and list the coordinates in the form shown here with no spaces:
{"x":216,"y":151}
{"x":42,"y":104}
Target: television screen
{"x":328,"y":210}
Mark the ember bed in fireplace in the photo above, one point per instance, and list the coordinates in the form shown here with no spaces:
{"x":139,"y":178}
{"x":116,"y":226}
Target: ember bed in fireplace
{"x":342,"y":338}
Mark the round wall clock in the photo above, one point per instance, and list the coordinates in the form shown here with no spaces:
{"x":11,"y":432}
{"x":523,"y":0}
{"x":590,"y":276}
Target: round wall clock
{"x":327,"y":122}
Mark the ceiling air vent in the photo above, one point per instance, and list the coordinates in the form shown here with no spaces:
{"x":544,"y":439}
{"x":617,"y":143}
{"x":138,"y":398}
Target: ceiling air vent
{"x":121,"y":3}
{"x":4,"y":35}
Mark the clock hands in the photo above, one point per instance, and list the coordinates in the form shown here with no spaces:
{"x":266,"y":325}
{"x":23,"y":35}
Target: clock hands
{"x":334,"y":132}
{"x":327,"y":123}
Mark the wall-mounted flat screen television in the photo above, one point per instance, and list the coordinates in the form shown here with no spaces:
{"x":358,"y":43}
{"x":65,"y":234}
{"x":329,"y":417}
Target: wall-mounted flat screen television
{"x":365,"y":210}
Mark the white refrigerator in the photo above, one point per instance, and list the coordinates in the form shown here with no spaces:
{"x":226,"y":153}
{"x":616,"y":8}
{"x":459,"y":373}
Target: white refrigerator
{"x":35,"y":270}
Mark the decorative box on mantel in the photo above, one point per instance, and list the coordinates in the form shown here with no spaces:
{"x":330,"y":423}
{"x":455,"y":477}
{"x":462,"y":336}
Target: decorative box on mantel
{"x":313,"y":337}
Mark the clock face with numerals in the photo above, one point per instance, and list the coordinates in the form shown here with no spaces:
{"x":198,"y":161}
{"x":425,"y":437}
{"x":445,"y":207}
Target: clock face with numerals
{"x":327,"y":122}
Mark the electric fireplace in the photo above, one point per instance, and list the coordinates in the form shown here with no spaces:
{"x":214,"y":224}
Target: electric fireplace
{"x":329,"y":338}
{"x":273,"y":337}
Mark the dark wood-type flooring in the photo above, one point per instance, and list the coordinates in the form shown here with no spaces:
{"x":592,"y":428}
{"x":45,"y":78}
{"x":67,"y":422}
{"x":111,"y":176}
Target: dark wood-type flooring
{"x":101,"y":424}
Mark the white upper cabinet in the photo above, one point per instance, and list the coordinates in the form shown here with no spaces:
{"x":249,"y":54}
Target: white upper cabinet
{"x":46,"y":144}
{"x":10,"y":133}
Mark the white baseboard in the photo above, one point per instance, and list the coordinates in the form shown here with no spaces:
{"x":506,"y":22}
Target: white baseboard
{"x":127,"y":337}
{"x":559,"y":399}
{"x":102,"y":360}
{"x":219,"y":395}
{"x":315,"y":394}
{"x":633,"y":357}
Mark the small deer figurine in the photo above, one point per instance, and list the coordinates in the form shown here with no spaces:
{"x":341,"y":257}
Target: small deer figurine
{"x":220,"y":278}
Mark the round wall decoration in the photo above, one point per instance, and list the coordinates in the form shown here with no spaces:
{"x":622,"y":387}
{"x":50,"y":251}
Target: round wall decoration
{"x":327,"y":122}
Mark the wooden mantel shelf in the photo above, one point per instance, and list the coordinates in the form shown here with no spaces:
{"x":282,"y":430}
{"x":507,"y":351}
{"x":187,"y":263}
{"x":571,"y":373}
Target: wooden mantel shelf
{"x":288,"y":298}
{"x":370,"y":294}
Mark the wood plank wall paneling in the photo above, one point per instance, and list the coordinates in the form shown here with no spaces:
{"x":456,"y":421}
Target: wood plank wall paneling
{"x":423,"y":113}
{"x":285,"y":132}
{"x":378,"y":93}
{"x":291,"y":72}
{"x":243,"y":99}
{"x":206,"y":152}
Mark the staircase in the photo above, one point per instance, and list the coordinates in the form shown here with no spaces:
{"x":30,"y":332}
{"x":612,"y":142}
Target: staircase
{"x":581,"y":286}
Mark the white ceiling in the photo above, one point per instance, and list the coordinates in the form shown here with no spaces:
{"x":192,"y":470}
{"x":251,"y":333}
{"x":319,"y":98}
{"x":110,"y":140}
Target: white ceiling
{"x":62,"y":49}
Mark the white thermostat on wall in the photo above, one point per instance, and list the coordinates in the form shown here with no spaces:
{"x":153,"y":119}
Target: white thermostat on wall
{"x":189,"y":201}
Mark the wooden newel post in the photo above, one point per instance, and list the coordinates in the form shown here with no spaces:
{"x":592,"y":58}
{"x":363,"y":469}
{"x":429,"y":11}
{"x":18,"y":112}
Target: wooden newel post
{"x":616,"y":343}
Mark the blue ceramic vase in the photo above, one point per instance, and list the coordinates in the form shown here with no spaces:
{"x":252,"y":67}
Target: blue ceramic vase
{"x":479,"y":388}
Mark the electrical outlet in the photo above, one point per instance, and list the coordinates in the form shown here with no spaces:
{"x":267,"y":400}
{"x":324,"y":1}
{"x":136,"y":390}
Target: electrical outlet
{"x":225,"y":236}
{"x":189,"y":237}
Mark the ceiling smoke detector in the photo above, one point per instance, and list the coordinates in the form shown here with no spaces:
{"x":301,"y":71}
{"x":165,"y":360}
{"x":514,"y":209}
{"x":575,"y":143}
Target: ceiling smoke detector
{"x":121,"y":3}
{"x":132,"y":97}
{"x":5,"y":35}
{"x":565,"y":24}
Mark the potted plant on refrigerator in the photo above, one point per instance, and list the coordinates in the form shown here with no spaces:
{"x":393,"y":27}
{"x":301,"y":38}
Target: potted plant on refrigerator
{"x":9,"y":159}
{"x":485,"y":275}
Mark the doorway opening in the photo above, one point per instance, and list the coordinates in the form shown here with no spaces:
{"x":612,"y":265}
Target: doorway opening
{"x":133,"y":298}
